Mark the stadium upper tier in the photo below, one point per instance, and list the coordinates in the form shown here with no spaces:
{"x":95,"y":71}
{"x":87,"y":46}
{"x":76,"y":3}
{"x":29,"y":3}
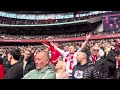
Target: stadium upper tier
{"x":22,"y":19}
{"x":54,"y":36}
{"x":45,"y":12}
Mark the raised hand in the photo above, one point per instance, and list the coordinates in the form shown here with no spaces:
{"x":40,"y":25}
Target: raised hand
{"x":88,"y":37}
{"x":52,"y":43}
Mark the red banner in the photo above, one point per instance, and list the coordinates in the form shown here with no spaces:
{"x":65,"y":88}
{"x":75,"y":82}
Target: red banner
{"x":107,"y":36}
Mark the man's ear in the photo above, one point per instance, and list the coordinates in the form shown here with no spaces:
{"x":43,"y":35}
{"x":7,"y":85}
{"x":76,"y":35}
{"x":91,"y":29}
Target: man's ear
{"x":11,"y":57}
{"x":47,"y":62}
{"x":75,"y":49}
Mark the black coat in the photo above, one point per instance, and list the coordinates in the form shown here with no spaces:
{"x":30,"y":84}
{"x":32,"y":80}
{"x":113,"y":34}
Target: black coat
{"x":111,"y":59}
{"x":15,"y":71}
{"x":101,"y":66}
{"x":111,"y":63}
{"x":29,"y":66}
{"x":89,"y":72}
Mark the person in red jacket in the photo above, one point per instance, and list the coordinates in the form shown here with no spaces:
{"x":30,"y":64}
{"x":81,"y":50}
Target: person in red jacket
{"x":2,"y":74}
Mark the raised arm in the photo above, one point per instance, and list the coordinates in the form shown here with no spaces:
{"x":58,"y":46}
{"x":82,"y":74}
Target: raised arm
{"x":58,"y":49}
{"x":85,"y":42}
{"x":46,"y":44}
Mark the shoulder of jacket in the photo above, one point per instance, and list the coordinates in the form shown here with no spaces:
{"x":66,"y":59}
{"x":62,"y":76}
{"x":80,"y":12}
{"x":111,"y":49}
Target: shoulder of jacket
{"x":103,"y":58}
{"x":74,"y":67}
{"x":50,"y":70}
{"x":91,"y":65}
{"x":33,"y":70}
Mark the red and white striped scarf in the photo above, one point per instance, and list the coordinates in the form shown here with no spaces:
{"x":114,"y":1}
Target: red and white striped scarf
{"x":70,"y":57}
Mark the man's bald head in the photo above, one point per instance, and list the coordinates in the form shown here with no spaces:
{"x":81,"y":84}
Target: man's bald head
{"x":42,"y":60}
{"x":81,"y":56}
{"x":43,"y":54}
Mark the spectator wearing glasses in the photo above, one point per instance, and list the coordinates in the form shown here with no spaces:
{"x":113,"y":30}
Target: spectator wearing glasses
{"x":99,"y":62}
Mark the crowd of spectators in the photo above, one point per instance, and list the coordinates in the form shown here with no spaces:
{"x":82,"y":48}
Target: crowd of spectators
{"x":61,"y":44}
{"x":55,"y":36}
{"x":35,"y":49}
{"x":39,"y":50}
{"x":39,"y":37}
{"x":89,"y":59}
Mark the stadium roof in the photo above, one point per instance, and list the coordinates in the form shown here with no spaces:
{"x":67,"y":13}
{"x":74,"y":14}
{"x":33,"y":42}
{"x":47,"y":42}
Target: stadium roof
{"x":44,"y":12}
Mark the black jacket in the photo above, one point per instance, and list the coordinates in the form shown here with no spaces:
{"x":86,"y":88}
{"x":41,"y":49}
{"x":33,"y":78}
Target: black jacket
{"x":29,"y":66}
{"x":15,"y":71}
{"x":89,"y":72}
{"x":111,"y":63}
{"x":101,"y":65}
{"x":111,"y":59}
